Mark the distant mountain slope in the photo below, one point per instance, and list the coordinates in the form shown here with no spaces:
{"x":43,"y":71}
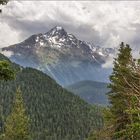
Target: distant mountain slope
{"x":55,"y":113}
{"x":62,"y":56}
{"x":91,"y":91}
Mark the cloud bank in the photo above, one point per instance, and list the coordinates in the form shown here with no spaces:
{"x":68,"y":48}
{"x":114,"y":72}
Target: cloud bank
{"x":99,"y":22}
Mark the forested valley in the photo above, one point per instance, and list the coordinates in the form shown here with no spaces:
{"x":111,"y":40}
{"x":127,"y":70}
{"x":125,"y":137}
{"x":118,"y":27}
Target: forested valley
{"x":53,"y":112}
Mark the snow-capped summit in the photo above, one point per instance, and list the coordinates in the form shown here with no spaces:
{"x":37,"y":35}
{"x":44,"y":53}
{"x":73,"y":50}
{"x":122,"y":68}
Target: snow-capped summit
{"x":58,"y":38}
{"x":56,"y":31}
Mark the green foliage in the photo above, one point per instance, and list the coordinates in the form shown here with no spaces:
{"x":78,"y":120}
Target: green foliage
{"x":17,"y":122}
{"x":91,"y":91}
{"x":3,"y":2}
{"x":6,"y":72}
{"x":105,"y":132}
{"x":132,"y":131}
{"x":118,"y":85}
{"x":122,"y":119}
{"x":55,"y":113}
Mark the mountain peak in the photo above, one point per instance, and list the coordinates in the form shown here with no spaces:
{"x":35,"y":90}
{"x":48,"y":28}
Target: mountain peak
{"x":62,"y":56}
{"x":58,"y":28}
{"x":57,"y":31}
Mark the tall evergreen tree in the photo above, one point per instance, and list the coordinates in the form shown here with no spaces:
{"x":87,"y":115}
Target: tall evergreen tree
{"x":118,"y":95}
{"x":133,"y":98}
{"x":122,"y":119}
{"x":17,"y":123}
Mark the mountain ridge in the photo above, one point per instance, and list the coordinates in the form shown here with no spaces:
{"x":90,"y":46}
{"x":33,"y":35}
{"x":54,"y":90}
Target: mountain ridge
{"x":62,"y":56}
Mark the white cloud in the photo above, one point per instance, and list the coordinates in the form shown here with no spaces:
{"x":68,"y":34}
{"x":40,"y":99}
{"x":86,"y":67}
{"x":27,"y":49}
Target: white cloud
{"x":100,"y":22}
{"x":7,"y":53}
{"x":8,"y":35}
{"x":109,"y":62}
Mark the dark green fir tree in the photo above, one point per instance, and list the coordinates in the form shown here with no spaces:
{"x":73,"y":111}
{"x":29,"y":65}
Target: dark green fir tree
{"x":17,"y":123}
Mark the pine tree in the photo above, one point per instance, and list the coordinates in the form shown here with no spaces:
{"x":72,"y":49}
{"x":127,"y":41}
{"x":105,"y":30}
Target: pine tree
{"x":17,"y":123}
{"x":122,"y":119}
{"x":133,"y":129}
{"x":118,"y":95}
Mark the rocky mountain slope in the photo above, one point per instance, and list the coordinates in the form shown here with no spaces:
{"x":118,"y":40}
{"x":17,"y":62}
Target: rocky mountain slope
{"x":62,"y":56}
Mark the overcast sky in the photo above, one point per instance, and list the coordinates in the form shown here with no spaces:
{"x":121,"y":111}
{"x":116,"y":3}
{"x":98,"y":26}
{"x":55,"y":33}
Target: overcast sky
{"x":103,"y":23}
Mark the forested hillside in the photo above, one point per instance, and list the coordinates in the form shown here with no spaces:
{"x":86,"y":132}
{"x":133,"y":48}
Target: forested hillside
{"x":55,"y":113}
{"x":91,"y":91}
